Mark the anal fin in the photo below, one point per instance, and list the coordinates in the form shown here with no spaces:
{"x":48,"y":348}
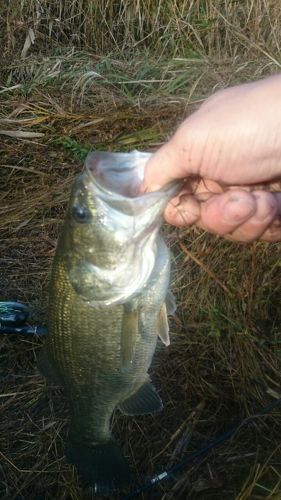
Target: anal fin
{"x":144,"y":400}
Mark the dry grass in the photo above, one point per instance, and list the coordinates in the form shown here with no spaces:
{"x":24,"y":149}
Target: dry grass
{"x":224,"y":362}
{"x":207,"y":27}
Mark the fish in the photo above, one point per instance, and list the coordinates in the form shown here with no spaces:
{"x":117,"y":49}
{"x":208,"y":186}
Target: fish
{"x":109,"y":301}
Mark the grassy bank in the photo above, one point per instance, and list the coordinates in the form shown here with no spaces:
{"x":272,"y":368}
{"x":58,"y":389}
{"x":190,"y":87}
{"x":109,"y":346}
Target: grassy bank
{"x":71,"y":94}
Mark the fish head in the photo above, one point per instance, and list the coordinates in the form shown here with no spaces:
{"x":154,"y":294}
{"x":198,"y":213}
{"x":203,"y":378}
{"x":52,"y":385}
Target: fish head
{"x":109,"y":242}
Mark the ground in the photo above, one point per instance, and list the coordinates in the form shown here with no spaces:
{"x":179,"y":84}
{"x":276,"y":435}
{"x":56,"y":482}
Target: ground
{"x":224,"y":361}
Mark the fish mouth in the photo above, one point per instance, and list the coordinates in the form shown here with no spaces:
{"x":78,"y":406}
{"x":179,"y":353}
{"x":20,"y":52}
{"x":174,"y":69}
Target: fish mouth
{"x":119,"y":173}
{"x":117,"y":180}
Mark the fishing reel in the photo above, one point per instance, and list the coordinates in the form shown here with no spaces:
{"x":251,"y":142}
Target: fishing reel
{"x":14,"y":317}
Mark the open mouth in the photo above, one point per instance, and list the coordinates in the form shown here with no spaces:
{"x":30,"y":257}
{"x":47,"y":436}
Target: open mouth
{"x":120,"y":173}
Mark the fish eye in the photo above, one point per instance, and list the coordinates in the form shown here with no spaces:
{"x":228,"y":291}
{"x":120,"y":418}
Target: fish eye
{"x":81,"y":214}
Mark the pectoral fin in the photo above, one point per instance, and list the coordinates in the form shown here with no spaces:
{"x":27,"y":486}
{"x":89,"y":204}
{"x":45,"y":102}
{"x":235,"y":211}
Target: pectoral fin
{"x":145,"y":400}
{"x":128,"y":336}
{"x":163,"y":325}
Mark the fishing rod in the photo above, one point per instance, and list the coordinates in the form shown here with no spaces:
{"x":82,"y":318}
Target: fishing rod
{"x":169,"y":472}
{"x":14,"y":320}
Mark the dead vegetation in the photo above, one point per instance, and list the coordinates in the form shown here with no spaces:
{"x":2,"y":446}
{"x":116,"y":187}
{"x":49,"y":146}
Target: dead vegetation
{"x":220,"y":28}
{"x":224,"y":362}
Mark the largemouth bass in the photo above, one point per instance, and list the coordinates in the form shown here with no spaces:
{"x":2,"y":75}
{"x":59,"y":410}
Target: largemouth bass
{"x":109,"y":301}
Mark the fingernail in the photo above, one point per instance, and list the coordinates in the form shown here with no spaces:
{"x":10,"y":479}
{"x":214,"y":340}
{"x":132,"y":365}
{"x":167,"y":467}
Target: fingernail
{"x":237,"y":210}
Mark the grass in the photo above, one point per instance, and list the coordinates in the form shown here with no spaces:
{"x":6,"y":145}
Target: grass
{"x":224,"y":361}
{"x":211,"y":27}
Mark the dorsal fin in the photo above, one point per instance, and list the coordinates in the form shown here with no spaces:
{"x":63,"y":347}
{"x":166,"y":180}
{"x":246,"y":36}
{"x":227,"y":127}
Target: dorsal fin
{"x":46,"y":368}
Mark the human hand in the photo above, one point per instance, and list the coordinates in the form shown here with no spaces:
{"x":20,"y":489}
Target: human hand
{"x":231,"y":144}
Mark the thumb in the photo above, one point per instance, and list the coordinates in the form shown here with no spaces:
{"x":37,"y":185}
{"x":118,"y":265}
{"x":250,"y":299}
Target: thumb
{"x":163,"y":167}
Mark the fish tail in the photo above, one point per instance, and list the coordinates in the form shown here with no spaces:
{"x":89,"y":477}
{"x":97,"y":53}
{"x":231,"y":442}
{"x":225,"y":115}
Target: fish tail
{"x":103,"y":465}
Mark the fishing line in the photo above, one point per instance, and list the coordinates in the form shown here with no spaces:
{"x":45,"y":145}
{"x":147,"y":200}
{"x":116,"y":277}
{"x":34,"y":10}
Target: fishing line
{"x":166,"y":474}
{"x":24,"y":330}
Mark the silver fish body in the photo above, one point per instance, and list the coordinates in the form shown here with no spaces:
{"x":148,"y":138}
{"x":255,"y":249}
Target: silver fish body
{"x":108,"y":305}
